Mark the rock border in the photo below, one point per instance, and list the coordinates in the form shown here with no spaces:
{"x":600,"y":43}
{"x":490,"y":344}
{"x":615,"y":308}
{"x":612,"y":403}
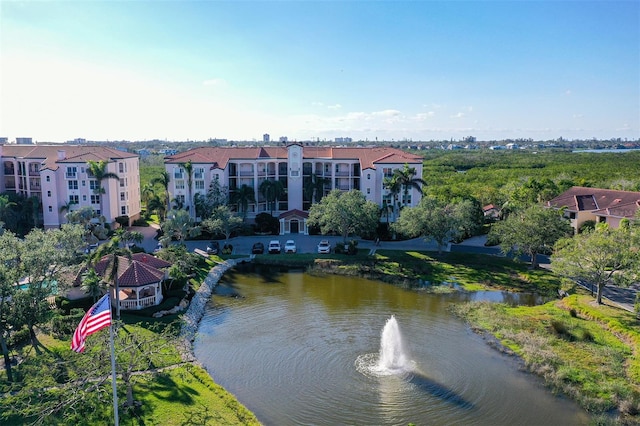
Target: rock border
{"x":192,"y":317}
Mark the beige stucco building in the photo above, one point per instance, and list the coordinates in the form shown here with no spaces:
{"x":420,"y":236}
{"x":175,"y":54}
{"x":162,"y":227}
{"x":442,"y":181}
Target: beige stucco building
{"x":582,"y":204}
{"x":296,"y":167}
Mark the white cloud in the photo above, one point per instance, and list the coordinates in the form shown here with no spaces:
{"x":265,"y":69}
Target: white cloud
{"x":334,"y":107}
{"x":578,"y":115}
{"x":458,"y":115}
{"x":421,"y":116}
{"x":217,"y":82}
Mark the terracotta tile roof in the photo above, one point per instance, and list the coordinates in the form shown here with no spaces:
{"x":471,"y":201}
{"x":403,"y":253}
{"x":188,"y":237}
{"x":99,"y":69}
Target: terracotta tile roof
{"x":150,"y":260}
{"x":133,"y":272}
{"x":600,"y":201}
{"x":48,"y":154}
{"x":368,"y":157}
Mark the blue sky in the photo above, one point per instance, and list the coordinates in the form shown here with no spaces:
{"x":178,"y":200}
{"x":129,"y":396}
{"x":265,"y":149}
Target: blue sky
{"x":385,"y":70}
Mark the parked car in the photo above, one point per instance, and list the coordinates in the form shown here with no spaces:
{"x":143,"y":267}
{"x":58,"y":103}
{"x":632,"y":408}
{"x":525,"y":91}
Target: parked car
{"x":290,"y":246}
{"x":258,"y":248}
{"x":274,"y":247}
{"x":213,"y":247}
{"x":324,"y":247}
{"x":158,"y":248}
{"x":91,"y":248}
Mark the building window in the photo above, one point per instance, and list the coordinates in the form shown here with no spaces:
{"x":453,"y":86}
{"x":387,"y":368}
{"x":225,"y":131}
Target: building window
{"x":95,"y":199}
{"x":123,"y":210}
{"x":179,"y":184}
{"x":572,"y":215}
{"x":84,"y":198}
{"x":121,"y":167}
{"x":72,"y":172}
{"x":93,"y":185}
{"x":198,"y":173}
{"x":368,"y":176}
{"x":122,"y":182}
{"x":74,"y":199}
{"x":50,"y":209}
{"x":48,"y":178}
{"x":178,"y":173}
{"x":48,"y":193}
{"x":387,"y":172}
{"x":199,"y":184}
{"x":122,"y":196}
{"x":84,"y":183}
{"x":73,"y":184}
{"x":368,"y":191}
{"x":181,"y":199}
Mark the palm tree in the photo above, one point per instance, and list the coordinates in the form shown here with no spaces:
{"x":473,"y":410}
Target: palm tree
{"x":242,"y":197}
{"x":272,"y":191}
{"x":405,"y":177}
{"x":392,"y":185}
{"x":112,"y":251}
{"x":155,"y":204}
{"x":315,"y":188}
{"x":164,"y":179}
{"x":188,"y":168}
{"x":99,"y":171}
{"x":92,"y":284}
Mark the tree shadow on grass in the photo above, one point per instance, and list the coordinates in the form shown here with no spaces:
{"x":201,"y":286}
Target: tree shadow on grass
{"x":164,"y":388}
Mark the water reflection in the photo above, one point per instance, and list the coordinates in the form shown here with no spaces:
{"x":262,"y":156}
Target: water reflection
{"x":289,"y":345}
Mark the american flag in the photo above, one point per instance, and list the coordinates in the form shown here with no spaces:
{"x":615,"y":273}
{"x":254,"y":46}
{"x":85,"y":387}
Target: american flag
{"x":96,"y":318}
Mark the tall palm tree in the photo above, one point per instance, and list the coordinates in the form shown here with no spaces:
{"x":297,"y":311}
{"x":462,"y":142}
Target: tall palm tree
{"x":164,"y":179}
{"x":188,"y":168}
{"x":392,"y":185}
{"x":272,"y":191}
{"x":242,"y":197}
{"x":407,"y":180}
{"x":99,"y":171}
{"x":315,"y":188}
{"x":112,"y":251}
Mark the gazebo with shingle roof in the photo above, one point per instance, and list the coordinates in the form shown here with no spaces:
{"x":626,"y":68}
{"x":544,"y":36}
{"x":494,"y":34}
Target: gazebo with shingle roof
{"x":139,"y":279}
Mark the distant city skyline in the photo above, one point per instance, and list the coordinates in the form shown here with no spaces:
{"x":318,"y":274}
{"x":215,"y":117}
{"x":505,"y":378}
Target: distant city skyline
{"x":319,"y":70}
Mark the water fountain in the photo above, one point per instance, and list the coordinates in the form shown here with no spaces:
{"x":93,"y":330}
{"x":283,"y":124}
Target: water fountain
{"x":393,"y":358}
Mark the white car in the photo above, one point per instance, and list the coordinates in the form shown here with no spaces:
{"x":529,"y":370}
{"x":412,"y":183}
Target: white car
{"x":290,"y":246}
{"x":324,"y":247}
{"x":274,"y":247}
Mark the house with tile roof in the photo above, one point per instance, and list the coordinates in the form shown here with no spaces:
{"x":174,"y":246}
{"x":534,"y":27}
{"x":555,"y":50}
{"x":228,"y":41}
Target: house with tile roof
{"x":139,"y":280}
{"x":609,"y":206}
{"x":298,"y":168}
{"x":58,"y":176}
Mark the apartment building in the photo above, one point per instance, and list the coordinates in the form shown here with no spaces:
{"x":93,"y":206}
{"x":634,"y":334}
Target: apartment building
{"x":58,"y":175}
{"x":298,"y":168}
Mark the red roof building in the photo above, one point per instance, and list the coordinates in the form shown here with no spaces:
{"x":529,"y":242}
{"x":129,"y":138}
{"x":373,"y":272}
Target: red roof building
{"x":609,"y":206}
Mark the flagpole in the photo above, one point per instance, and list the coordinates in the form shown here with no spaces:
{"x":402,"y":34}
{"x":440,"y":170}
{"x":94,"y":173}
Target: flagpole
{"x":113,"y":377}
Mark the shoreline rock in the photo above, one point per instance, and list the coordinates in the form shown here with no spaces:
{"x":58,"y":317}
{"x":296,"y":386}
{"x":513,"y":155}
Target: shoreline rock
{"x":191,"y":318}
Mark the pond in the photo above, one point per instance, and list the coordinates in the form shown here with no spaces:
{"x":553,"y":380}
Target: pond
{"x":301,"y":349}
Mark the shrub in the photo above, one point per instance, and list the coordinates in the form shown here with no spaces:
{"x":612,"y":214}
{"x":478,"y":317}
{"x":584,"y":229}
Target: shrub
{"x":267,"y":223}
{"x":18,"y":337}
{"x":64,"y":325}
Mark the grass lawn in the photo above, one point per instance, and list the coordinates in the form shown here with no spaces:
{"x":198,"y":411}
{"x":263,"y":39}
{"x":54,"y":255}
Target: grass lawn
{"x":472,"y":272}
{"x":172,"y":393}
{"x":588,"y":352}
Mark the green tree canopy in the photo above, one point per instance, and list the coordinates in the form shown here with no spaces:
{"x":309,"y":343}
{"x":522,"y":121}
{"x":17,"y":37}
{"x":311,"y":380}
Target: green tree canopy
{"x":344,"y":213}
{"x":222,"y":221}
{"x":430,"y":219}
{"x":603,"y":256}
{"x":531,"y":231}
